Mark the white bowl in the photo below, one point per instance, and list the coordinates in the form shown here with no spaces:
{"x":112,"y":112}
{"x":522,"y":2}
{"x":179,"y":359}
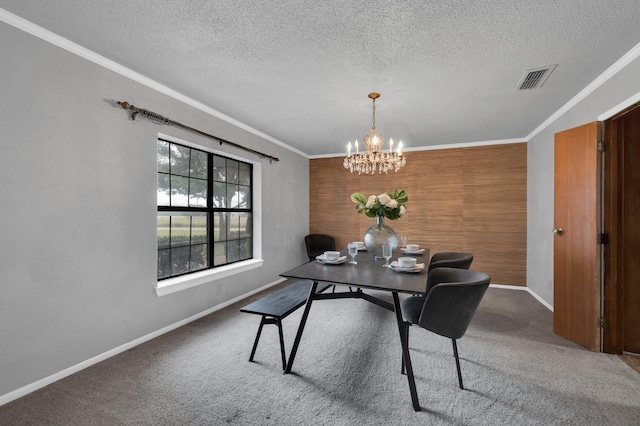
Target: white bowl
{"x":413,"y":247}
{"x":331,"y":255}
{"x":407,"y":262}
{"x":360,"y":244}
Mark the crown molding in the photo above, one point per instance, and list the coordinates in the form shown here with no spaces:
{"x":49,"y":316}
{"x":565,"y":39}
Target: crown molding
{"x":629,"y":57}
{"x":68,"y":45}
{"x":436,"y":147}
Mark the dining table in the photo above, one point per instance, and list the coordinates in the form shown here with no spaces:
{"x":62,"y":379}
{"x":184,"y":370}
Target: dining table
{"x":368,"y":273}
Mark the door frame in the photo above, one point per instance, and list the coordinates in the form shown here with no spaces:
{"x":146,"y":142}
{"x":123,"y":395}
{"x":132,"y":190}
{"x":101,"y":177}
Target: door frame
{"x":613,"y":277}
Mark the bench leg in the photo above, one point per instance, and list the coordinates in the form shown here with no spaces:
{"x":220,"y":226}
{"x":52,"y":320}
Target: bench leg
{"x":284,"y":357}
{"x":255,"y":343}
{"x":278,"y":322}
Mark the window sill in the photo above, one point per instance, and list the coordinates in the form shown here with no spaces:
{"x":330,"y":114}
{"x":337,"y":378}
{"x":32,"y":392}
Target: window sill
{"x":184,"y":282}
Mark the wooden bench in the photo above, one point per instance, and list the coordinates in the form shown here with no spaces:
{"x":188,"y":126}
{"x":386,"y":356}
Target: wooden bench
{"x":278,"y":305}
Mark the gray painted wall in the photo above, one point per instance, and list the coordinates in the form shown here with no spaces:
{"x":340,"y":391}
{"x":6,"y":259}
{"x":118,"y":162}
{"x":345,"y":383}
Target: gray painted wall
{"x":78,"y":209}
{"x":622,"y":86}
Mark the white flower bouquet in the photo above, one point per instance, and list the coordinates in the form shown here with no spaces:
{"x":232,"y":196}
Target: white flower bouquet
{"x":388,"y":204}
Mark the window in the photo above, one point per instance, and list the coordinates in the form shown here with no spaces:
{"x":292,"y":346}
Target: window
{"x":205,"y":216}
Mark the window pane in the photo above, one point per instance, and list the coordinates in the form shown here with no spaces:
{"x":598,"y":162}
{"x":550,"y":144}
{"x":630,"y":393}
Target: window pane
{"x":163,"y":224}
{"x":233,"y":251}
{"x":163,"y":190}
{"x":244,"y":177}
{"x":199,"y":229}
{"x":219,"y":254}
{"x":180,"y":229}
{"x":232,"y":171}
{"x":219,"y":169}
{"x":179,"y":191}
{"x":244,"y":197}
{"x":180,"y":260}
{"x":220,"y":226}
{"x":198,"y":193}
{"x":163,"y":156}
{"x":164,"y":263}
{"x":219,"y":195}
{"x":199,"y":164}
{"x":234,"y":226}
{"x":246,"y":249}
{"x":180,"y":160}
{"x":232,"y":196}
{"x":199,"y":257}
{"x":246,"y":225}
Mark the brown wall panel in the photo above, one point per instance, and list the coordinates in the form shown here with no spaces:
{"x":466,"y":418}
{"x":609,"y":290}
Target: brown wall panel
{"x":465,"y":199}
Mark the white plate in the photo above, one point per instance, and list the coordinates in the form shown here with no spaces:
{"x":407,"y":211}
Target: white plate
{"x":407,"y":271}
{"x":405,"y":251}
{"x":338,"y":261}
{"x":396,"y":267}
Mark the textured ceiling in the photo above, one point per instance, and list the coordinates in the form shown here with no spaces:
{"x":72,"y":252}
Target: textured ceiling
{"x":300,"y":70}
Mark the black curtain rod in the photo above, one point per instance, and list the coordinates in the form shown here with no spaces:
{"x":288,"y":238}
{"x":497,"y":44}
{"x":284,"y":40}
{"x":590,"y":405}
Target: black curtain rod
{"x":164,"y":120}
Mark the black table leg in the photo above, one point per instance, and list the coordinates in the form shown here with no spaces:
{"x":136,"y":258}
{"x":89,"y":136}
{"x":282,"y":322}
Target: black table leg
{"x":405,"y":354}
{"x":303,"y":321}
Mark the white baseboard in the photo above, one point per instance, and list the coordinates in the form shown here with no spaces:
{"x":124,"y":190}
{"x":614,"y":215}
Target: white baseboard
{"x":527,"y":289}
{"x":25,"y":390}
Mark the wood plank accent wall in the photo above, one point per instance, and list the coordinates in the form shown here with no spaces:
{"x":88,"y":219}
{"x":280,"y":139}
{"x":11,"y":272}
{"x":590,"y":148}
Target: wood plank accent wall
{"x":462,"y":199}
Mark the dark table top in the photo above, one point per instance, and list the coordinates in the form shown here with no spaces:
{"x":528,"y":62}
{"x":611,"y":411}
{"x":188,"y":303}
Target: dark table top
{"x":368,"y":273}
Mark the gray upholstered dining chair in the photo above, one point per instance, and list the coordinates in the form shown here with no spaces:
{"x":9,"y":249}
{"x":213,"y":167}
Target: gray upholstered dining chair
{"x":451,"y":260}
{"x":317,"y":244}
{"x":452,"y":297}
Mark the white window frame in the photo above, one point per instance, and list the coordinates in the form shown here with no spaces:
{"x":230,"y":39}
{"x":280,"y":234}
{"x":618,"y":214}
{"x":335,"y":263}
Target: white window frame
{"x":183,"y":282}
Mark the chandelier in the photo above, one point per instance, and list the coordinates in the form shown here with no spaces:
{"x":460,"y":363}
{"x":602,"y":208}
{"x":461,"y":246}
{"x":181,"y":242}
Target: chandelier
{"x":374,"y":158}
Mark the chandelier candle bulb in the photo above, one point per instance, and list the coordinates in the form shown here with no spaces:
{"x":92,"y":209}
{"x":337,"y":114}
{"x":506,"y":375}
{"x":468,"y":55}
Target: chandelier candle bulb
{"x":390,"y":145}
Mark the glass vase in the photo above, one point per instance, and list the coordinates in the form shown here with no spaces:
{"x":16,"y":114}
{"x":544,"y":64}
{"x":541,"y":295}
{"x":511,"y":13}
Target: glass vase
{"x":380,"y":234}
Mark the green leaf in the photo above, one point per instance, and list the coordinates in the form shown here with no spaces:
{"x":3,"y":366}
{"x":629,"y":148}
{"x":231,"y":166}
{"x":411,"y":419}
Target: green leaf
{"x":400,"y":196}
{"x":359,"y":198}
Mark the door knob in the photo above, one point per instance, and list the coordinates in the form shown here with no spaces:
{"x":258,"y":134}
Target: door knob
{"x":558,"y":231}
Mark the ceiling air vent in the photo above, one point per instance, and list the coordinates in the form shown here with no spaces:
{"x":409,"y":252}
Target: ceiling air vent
{"x":534,"y":78}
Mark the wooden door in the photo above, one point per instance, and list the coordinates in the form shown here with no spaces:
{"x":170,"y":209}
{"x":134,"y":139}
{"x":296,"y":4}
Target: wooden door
{"x":576,"y":272}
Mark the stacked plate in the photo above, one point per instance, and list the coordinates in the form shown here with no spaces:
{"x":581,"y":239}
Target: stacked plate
{"x":418,"y":252}
{"x":419,"y":267}
{"x":338,"y":261}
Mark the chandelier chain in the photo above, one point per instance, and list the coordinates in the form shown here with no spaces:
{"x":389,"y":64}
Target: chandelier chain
{"x":373,"y":121}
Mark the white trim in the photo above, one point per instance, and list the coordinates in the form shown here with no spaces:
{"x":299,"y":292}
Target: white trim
{"x":46,"y":35}
{"x":18,"y":393}
{"x":630,"y":56}
{"x":184,"y":282}
{"x":72,"y":47}
{"x":508,"y":287}
{"x":521,"y":288}
{"x":25,"y":390}
{"x":620,"y":107}
{"x":435,"y":147}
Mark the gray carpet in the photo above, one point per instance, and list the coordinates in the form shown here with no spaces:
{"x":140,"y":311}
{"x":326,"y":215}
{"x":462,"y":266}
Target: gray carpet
{"x":347,"y":372}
